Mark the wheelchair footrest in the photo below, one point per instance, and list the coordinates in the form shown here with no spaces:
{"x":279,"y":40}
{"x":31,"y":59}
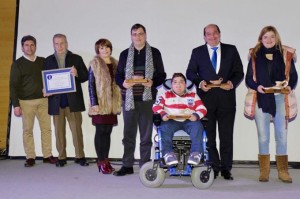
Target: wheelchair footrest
{"x":174,"y":172}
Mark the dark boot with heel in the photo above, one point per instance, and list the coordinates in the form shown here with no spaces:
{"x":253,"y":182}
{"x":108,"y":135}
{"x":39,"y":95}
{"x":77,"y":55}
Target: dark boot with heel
{"x":103,"y":167}
{"x":109,"y":165}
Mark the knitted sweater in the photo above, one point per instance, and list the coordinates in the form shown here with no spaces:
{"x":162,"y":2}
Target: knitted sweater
{"x":26,"y":80}
{"x":173,"y":104}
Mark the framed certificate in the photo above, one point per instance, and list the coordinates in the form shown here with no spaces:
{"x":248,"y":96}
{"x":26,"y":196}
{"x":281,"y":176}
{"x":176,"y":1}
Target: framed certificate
{"x":58,"y":81}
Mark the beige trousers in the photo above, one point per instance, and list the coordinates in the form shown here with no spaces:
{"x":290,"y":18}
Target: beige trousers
{"x":75,"y":121}
{"x":36,"y":108}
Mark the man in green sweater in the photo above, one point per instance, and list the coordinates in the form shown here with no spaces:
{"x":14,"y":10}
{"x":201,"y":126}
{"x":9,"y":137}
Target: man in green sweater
{"x":27,"y":99}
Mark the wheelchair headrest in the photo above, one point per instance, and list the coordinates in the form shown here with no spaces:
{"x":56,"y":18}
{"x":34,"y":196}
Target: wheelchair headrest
{"x":168,"y":84}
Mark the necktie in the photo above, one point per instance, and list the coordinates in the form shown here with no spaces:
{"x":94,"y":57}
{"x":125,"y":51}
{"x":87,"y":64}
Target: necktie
{"x":214,"y":57}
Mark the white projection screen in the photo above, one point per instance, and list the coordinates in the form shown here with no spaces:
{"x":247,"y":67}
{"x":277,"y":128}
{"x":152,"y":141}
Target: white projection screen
{"x":175,"y":27}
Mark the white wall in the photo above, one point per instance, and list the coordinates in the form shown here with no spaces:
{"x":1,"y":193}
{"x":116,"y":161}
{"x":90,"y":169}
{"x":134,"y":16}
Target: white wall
{"x":175,"y":27}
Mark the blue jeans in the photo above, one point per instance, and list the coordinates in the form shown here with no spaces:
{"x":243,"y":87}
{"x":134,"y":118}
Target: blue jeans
{"x":194,"y":129}
{"x":262,"y":121}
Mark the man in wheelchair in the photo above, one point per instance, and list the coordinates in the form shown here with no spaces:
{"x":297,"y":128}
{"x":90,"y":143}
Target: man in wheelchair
{"x":180,"y":109}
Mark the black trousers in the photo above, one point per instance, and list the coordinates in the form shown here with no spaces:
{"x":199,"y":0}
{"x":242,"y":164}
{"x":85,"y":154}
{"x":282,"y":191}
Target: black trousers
{"x":224,"y":118}
{"x":102,"y":140}
{"x":141,"y":117}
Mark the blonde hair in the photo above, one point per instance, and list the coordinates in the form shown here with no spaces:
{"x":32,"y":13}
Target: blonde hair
{"x":259,"y":44}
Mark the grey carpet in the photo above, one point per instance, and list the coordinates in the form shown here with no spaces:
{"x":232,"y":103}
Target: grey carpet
{"x":45,"y":181}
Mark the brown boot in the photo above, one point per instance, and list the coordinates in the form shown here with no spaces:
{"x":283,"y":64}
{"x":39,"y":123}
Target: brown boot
{"x":282,"y":167}
{"x":264,"y":167}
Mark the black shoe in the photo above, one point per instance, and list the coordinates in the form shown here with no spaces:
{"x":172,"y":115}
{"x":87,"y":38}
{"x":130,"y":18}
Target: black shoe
{"x":216,"y":173}
{"x":81,"y":161}
{"x":227,"y":175}
{"x":61,"y":163}
{"x":50,"y":160}
{"x":124,"y":171}
{"x":295,"y":166}
{"x":30,"y":162}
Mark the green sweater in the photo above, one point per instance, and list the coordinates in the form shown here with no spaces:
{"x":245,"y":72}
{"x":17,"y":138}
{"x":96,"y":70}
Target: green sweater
{"x":26,"y":80}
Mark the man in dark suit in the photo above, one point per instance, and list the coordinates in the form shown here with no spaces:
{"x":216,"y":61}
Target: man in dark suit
{"x":216,"y":70}
{"x":67,"y":105}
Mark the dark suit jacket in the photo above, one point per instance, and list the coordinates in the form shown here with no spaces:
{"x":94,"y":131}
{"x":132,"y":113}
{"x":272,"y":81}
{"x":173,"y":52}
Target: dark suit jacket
{"x":75,"y":99}
{"x":231,"y":69}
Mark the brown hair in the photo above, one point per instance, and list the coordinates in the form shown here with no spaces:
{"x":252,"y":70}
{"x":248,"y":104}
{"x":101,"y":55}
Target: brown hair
{"x":178,"y":75}
{"x":28,"y":38}
{"x":102,"y":42}
{"x":137,"y":26}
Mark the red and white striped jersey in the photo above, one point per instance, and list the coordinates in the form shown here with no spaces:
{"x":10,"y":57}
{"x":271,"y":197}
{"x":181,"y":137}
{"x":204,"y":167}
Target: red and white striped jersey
{"x":173,"y":104}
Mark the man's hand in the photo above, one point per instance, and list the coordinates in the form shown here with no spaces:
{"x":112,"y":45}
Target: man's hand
{"x":203,"y":86}
{"x":165,"y":118}
{"x":228,"y":86}
{"x":127,"y":85}
{"x":44,"y":93}
{"x":74,"y":71}
{"x":193,"y":118}
{"x":18,"y":111}
{"x":148,"y":84}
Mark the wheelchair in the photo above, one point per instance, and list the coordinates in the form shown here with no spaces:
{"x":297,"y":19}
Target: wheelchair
{"x":152,"y":174}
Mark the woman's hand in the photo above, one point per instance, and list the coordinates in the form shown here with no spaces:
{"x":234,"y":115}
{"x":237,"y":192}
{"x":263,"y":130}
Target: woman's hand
{"x":260,"y":89}
{"x":95,"y":108}
{"x":289,"y":88}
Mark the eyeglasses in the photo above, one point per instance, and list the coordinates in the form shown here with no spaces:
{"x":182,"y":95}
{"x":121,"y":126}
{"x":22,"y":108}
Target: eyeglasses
{"x":140,"y":34}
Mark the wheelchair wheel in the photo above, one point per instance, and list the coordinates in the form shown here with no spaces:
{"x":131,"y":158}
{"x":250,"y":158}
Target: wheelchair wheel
{"x":150,"y":177}
{"x":201,"y":178}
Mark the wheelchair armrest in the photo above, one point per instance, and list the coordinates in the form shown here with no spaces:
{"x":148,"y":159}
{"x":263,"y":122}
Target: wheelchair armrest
{"x":157,"y":119}
{"x":204,"y":121}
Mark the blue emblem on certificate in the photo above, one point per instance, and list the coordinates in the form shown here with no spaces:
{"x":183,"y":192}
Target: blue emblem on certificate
{"x":58,"y":81}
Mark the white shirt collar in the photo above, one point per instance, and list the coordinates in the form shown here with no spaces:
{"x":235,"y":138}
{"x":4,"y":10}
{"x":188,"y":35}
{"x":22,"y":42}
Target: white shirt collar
{"x":29,"y":58}
{"x":209,"y":47}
